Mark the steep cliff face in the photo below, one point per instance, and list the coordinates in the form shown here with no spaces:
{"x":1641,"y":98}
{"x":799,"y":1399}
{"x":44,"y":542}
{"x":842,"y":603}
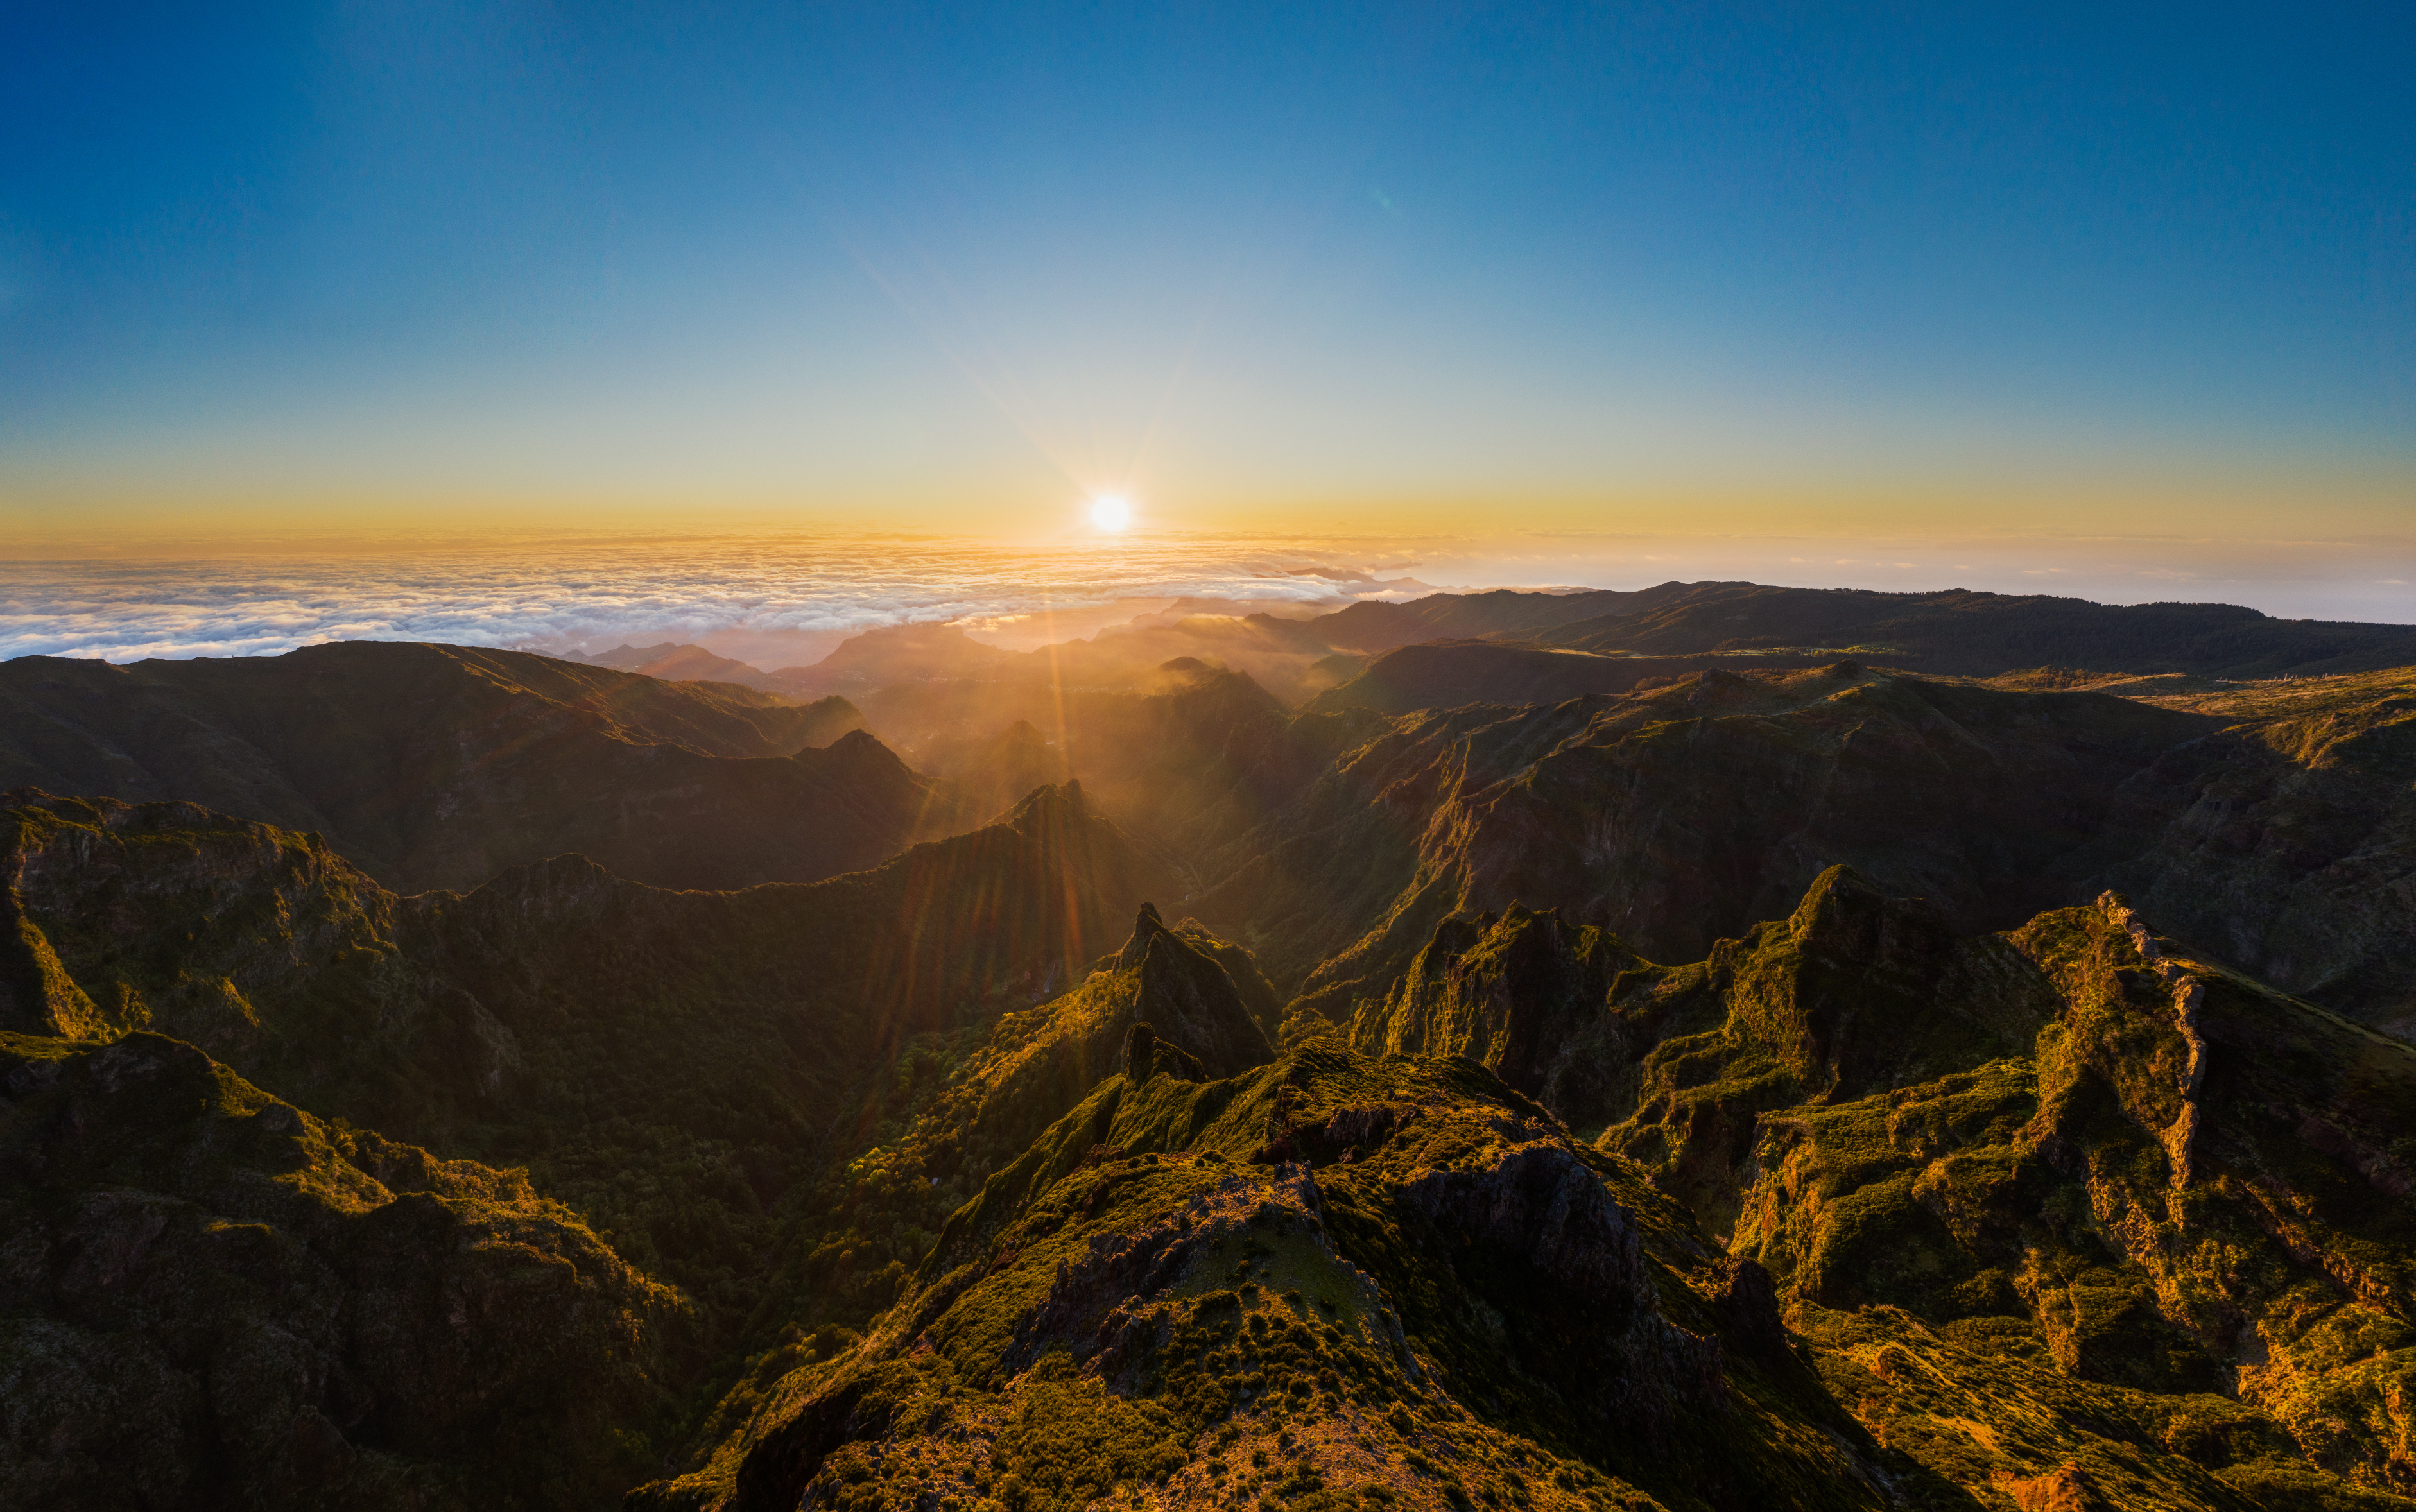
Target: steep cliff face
{"x":1861,"y":1205}
{"x":438,"y":766}
{"x":2193,"y":1194}
{"x":2275,"y":822}
{"x":1036,"y":1064}
{"x":972,"y":1106}
{"x":216,"y":1299}
{"x":1681,"y":814}
{"x":674,"y":1064}
{"x":1851,"y":993}
{"x":1522,"y":993}
{"x":1364,"y":1281}
{"x":2067,"y":1207}
{"x":2292,"y":854}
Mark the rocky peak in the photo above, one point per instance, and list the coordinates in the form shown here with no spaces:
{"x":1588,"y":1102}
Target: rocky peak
{"x":1523,"y":993}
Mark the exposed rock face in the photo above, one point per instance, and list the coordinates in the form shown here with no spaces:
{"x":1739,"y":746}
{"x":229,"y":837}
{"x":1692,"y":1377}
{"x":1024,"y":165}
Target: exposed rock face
{"x":1415,"y":1289}
{"x":2278,"y":827}
{"x":1038,"y":1064}
{"x":2184,"y":1191}
{"x":673,"y":1064}
{"x":216,"y":1299}
{"x":1522,"y":994}
{"x":1867,"y":1206}
{"x":2073,"y":1177}
{"x":438,"y":766}
{"x":1678,"y":816}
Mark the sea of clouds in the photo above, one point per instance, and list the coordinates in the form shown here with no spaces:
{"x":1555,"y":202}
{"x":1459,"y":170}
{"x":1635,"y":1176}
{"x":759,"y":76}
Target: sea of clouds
{"x":784,"y":600}
{"x":596,"y":596}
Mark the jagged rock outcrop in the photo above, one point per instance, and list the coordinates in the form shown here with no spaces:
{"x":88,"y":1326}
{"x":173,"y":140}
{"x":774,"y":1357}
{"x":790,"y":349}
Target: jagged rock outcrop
{"x":674,"y":1065}
{"x":2171,"y":1226}
{"x":1036,"y":1064}
{"x":2074,"y":1176}
{"x":1520,"y":993}
{"x":1681,"y":814}
{"x":1370,"y":1281}
{"x":216,"y":1299}
{"x":1883,"y":1210}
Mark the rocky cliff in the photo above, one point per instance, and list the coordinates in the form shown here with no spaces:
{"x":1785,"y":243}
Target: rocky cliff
{"x":674,"y":1065}
{"x":216,"y":1299}
{"x":2072,"y":1178}
{"x":1336,"y":1281}
{"x":2272,"y":821}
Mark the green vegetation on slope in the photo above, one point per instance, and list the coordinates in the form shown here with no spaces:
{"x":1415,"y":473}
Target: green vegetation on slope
{"x":965,"y":1202}
{"x":214,"y":1299}
{"x":437,"y":767}
{"x":683,"y":1070}
{"x":1336,"y":1281}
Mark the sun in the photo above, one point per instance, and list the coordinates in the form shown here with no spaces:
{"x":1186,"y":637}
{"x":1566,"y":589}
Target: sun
{"x":1110,"y":513}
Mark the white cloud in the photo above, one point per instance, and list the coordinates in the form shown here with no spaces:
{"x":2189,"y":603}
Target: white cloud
{"x":126,"y":611}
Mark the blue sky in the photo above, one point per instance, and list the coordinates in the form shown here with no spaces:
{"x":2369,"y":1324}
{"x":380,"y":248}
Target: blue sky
{"x":948,"y":266}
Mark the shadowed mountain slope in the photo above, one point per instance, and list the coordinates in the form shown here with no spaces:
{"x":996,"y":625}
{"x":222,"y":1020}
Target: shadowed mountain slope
{"x":1981,"y":634}
{"x":672,"y":662}
{"x":216,"y":1299}
{"x":2071,"y":1177}
{"x":1189,"y":759}
{"x":433,"y":766}
{"x":1939,"y":1187}
{"x":2277,"y":822}
{"x":1738,"y":625}
{"x":1444,"y":674}
{"x":1377,"y":627}
{"x":673,"y":1065}
{"x":1290,"y":657}
{"x":1676,"y":814}
{"x":1331,"y":1282}
{"x":2292,"y":851}
{"x":971,"y":1104}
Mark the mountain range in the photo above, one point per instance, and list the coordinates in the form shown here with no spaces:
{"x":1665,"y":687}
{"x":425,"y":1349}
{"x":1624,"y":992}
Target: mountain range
{"x":436,"y":766}
{"x":1969,"y":1065}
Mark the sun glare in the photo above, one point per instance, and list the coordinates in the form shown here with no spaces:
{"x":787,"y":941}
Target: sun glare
{"x":1110,"y":513}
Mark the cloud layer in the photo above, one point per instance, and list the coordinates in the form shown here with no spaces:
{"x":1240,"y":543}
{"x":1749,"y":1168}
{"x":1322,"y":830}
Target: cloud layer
{"x":781,"y":600}
{"x":126,"y":610}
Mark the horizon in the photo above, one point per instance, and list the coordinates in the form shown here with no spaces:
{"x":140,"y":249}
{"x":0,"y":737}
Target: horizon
{"x":2131,"y":296}
{"x":1356,"y":757}
{"x":749,"y":596}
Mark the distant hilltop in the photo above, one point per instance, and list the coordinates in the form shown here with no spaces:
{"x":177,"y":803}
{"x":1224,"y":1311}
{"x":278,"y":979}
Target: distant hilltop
{"x":1958,"y":632}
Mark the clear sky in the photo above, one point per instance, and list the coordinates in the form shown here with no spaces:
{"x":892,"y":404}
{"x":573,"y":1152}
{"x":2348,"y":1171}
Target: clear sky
{"x":1823,"y":271}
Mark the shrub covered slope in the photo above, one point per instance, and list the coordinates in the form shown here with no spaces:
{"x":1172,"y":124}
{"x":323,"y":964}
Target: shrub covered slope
{"x":1540,"y":1117}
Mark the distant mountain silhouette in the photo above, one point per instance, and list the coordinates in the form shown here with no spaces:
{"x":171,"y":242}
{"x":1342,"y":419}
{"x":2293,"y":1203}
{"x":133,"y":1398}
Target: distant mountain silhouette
{"x":438,"y":766}
{"x":1981,"y":634}
{"x":675,"y":662}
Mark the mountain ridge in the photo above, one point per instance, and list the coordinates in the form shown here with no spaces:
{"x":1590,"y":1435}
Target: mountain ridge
{"x":438,"y":765}
{"x":1829,"y":1086}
